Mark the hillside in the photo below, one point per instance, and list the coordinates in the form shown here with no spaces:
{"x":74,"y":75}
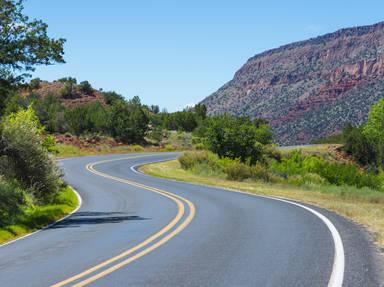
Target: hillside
{"x":69,"y":94}
{"x":309,"y":89}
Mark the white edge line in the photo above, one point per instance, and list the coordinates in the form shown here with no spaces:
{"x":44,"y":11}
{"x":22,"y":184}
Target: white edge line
{"x":80,"y":202}
{"x":337,"y":275}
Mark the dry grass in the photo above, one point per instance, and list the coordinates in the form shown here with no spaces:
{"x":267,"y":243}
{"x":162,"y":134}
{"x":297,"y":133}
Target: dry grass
{"x":65,"y":150}
{"x":363,"y":208}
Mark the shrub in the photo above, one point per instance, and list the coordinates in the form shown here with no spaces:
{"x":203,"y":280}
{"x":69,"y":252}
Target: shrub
{"x":24,"y":157}
{"x":260,"y":172}
{"x":34,"y":84}
{"x":307,"y":178}
{"x":12,"y":200}
{"x":68,"y":91}
{"x":190,"y":160}
{"x":85,"y":87}
{"x":238,"y":171}
{"x":199,"y":146}
{"x":295,"y":164}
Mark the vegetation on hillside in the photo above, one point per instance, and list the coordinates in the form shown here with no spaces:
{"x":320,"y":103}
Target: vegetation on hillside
{"x":31,"y":189}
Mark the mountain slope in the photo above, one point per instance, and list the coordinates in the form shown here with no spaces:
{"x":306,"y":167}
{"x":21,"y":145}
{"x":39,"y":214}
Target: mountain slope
{"x":309,"y":89}
{"x":72,"y":97}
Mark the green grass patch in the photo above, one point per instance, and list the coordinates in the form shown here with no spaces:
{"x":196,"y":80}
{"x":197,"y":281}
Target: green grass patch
{"x":37,"y":217}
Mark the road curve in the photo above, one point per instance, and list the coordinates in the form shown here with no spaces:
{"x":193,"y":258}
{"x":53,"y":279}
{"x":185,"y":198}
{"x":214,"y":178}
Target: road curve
{"x":136,"y":230}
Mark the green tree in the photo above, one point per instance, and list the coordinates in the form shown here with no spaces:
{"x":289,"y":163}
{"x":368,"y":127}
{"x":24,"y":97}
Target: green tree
{"x":237,"y":138}
{"x":373,"y":130}
{"x":68,"y":91}
{"x":24,"y":43}
{"x":129,"y":123}
{"x":85,"y":87}
{"x":112,"y":97}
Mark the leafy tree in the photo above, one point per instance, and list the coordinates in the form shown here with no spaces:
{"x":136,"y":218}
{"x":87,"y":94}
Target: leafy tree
{"x":91,"y":118}
{"x":237,"y":138}
{"x":50,"y":112}
{"x":200,"y":111}
{"x":129,"y":123}
{"x":373,"y":130}
{"x":24,"y":43}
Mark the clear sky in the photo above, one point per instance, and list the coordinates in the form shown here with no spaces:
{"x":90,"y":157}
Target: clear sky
{"x":174,"y":53}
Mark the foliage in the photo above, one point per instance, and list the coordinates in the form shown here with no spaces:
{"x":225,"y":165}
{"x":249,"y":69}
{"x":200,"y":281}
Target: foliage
{"x":30,"y":218}
{"x":12,"y":200}
{"x":23,"y":156}
{"x":233,"y":169}
{"x":85,"y":87}
{"x":68,"y":80}
{"x":187,"y":120}
{"x":24,"y":43}
{"x":358,"y":146}
{"x":236,"y":138}
{"x":295,"y":164}
{"x":68,"y":91}
{"x":129,"y":123}
{"x":112,"y":97}
{"x":34,"y":83}
{"x":90,"y":118}
{"x":373,"y":130}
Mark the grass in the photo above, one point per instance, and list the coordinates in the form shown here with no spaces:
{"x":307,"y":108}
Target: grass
{"x":65,"y":150}
{"x":40,"y":216}
{"x":315,"y":149}
{"x":363,"y":206}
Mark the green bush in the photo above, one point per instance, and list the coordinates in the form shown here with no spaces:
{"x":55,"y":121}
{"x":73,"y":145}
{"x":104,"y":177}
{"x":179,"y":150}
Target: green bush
{"x":12,"y":200}
{"x":296,"y":167}
{"x":23,"y":156}
{"x":190,"y":160}
{"x":209,"y":163}
{"x":34,"y":84}
{"x":85,"y":87}
{"x":236,"y":138}
{"x":68,"y":91}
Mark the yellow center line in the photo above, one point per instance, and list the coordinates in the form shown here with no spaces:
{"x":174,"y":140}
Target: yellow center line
{"x":181,"y":210}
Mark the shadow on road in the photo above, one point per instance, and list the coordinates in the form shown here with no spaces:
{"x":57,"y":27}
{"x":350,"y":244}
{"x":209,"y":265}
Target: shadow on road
{"x":91,"y":217}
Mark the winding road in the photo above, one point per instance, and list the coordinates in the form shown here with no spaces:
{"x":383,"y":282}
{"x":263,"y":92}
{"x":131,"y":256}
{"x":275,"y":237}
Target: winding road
{"x":137,"y":230}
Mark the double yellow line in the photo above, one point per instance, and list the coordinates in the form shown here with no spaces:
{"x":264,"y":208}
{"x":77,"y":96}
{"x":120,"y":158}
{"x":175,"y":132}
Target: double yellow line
{"x":151,"y":243}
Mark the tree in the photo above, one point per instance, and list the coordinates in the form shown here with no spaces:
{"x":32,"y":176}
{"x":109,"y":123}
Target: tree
{"x":129,"y":123}
{"x":236,"y":138}
{"x":24,"y":43}
{"x":357,"y":145}
{"x":373,"y":130}
{"x":68,"y":91}
{"x":112,"y":97}
{"x":86,"y":87}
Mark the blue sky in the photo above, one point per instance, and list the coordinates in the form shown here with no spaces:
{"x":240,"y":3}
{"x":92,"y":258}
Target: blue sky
{"x":174,"y":53}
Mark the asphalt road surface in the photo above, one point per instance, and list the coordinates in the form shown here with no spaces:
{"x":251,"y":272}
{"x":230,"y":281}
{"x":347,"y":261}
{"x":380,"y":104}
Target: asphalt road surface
{"x":136,"y":230}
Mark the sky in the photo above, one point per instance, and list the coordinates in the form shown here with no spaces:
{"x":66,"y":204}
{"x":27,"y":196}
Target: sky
{"x":175,"y":53}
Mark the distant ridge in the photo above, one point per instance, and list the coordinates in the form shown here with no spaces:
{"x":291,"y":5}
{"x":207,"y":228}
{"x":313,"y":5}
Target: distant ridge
{"x":309,"y":89}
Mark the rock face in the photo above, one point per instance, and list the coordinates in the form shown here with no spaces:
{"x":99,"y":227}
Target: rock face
{"x":309,"y":89}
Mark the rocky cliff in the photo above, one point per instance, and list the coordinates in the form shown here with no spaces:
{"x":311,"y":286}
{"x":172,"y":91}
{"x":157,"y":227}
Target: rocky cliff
{"x":309,"y":89}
